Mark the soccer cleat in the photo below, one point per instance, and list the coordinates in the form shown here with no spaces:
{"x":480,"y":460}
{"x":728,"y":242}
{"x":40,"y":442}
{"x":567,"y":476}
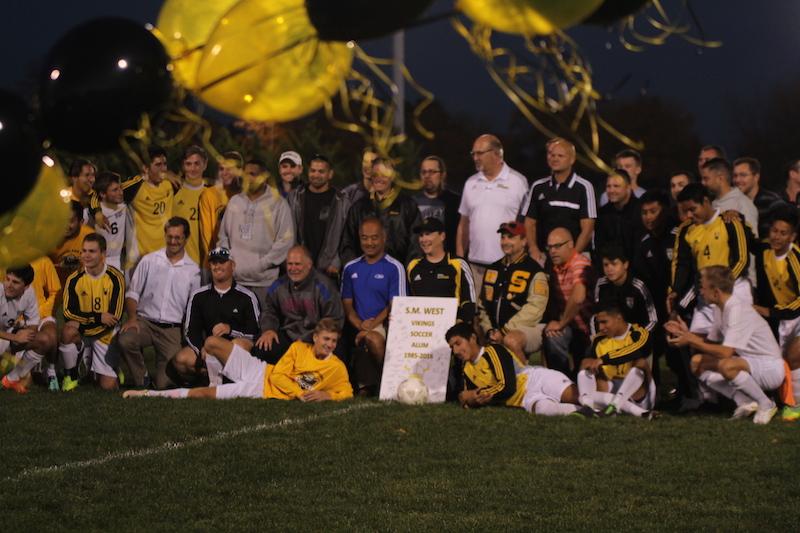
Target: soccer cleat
{"x":611,"y":410}
{"x":790,"y":414}
{"x":16,"y":386}
{"x":52,"y":384}
{"x":121,"y":377}
{"x":135,"y":393}
{"x":745,"y":410}
{"x":585,"y":412}
{"x":651,"y":415}
{"x":763,"y":416}
{"x":69,"y":384}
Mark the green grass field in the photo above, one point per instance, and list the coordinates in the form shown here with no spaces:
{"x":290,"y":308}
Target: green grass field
{"x":92,"y":461}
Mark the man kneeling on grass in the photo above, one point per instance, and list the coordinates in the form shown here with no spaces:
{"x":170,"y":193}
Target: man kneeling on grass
{"x":306,"y":372}
{"x":615,"y":377}
{"x":492,"y":376}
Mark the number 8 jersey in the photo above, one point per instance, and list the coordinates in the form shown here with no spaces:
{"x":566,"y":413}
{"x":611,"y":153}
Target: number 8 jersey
{"x":87,"y":296}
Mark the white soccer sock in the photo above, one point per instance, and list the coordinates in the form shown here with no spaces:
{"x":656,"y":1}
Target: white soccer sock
{"x":720,"y":385}
{"x":175,"y":394}
{"x":51,"y":370}
{"x":587,"y":384}
{"x":632,"y":382}
{"x":601,"y":399}
{"x":29,"y":360}
{"x":745,"y":383}
{"x":796,"y":385}
{"x":214,"y":367}
{"x":69,"y":355}
{"x":553,"y":408}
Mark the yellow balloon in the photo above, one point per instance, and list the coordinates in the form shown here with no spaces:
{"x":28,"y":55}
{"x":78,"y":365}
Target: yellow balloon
{"x":528,"y":17}
{"x":183,"y":27}
{"x":265,"y":62}
{"x":37,"y":225}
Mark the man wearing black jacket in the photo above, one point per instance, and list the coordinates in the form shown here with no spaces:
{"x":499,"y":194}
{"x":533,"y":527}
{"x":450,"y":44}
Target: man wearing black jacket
{"x":620,"y":220}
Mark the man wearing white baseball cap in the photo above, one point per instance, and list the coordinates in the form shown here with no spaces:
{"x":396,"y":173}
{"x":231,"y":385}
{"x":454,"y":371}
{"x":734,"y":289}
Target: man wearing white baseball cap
{"x":290,"y":166}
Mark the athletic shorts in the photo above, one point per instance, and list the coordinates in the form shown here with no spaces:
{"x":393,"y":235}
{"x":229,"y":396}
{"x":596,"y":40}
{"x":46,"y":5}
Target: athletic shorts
{"x":648,"y":401}
{"x":543,"y":384}
{"x":46,"y":320}
{"x":703,"y":316}
{"x":105,"y":359}
{"x":768,"y":372}
{"x":247,"y":374}
{"x":788,"y":330}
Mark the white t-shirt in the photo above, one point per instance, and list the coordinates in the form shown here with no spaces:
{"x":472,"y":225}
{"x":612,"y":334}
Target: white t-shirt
{"x":740,"y":327}
{"x":19,"y":312}
{"x":489,"y":204}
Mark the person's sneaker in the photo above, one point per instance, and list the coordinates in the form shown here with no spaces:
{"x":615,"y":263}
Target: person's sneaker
{"x":586,"y":412}
{"x":763,"y":416}
{"x":651,"y":415}
{"x":135,"y":393}
{"x":69,"y":384}
{"x":16,"y":386}
{"x":610,"y":410}
{"x":744,"y":411}
{"x":790,"y":414}
{"x":121,"y":377}
{"x":52,"y":384}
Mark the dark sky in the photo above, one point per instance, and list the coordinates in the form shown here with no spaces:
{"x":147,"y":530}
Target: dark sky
{"x":761,"y":48}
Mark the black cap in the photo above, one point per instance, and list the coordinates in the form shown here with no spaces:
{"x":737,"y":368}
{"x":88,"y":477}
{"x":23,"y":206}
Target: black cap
{"x":429,"y":225}
{"x":220,"y":255}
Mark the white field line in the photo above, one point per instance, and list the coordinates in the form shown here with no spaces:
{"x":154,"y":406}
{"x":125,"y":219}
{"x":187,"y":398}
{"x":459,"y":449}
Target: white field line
{"x":179,"y":445}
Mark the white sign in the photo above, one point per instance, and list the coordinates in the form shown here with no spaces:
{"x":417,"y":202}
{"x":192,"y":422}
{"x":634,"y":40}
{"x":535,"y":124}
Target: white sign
{"x":416,"y":345}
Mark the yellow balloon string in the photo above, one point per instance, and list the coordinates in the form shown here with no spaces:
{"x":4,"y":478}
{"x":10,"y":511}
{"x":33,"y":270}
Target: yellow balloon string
{"x":364,"y":112}
{"x":661,"y":26}
{"x":552,"y":88}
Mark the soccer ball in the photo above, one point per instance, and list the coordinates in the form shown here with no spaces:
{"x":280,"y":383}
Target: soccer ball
{"x":412,"y":391}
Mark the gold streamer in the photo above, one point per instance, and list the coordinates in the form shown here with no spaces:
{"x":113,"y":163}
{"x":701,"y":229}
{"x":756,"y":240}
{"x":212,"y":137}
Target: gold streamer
{"x":562,"y":92}
{"x":660,"y":26}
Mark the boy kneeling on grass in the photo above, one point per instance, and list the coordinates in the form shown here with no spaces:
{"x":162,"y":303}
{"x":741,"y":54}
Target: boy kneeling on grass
{"x":306,"y":372}
{"x":616,"y":376}
{"x":493,"y":376}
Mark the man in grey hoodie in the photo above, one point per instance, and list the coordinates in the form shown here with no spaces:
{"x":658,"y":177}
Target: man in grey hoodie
{"x":258,"y":230}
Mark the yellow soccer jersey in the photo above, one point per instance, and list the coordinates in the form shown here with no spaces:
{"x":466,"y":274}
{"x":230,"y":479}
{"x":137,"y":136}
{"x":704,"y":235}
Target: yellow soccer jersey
{"x":67,"y":257}
{"x":86,"y":297}
{"x":213,"y":201}
{"x":619,"y":353}
{"x":45,"y":284}
{"x":778,"y":281}
{"x":496,"y":372}
{"x":151,"y":208}
{"x":185,"y":204}
{"x":299,"y":371}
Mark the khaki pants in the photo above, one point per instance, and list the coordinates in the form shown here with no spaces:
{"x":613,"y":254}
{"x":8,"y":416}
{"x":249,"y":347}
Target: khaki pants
{"x":166,"y":341}
{"x":478,"y":271}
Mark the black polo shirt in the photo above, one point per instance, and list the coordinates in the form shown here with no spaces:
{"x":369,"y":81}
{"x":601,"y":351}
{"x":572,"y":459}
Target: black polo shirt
{"x":554,"y":205}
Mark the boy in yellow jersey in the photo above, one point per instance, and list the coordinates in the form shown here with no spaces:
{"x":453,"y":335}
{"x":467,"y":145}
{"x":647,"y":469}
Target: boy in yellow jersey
{"x":615,"y":377}
{"x":706,"y":239}
{"x":67,"y":257}
{"x":186,"y":202}
{"x":778,"y":291}
{"x":93,"y":303}
{"x":149,"y":200}
{"x":492,"y":376}
{"x":213,"y":201}
{"x":306,"y":372}
{"x":47,"y":287}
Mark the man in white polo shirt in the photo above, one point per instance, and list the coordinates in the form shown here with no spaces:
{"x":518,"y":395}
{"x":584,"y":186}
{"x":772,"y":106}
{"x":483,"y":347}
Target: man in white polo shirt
{"x":491,"y":196}
{"x":740,"y":358}
{"x":155,"y":304}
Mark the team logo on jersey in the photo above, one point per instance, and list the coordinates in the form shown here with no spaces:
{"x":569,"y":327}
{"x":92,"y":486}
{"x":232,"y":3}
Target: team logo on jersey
{"x":629,"y":301}
{"x":541,"y":196}
{"x":354,"y":275}
{"x":379,"y":276}
{"x":417,"y":277}
{"x":307,"y":380}
{"x":442,"y":276}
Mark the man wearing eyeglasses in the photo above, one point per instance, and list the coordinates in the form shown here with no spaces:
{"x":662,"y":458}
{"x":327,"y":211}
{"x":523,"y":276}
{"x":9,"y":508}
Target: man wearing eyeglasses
{"x":493,"y":195}
{"x":435,"y":200}
{"x":562,"y":199}
{"x":571,"y":278}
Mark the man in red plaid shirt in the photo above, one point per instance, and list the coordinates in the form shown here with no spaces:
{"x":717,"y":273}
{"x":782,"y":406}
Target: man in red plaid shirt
{"x":571,"y":283}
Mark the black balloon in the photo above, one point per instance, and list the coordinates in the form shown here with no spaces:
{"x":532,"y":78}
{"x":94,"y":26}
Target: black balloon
{"x":20,"y":150}
{"x":97,"y":81}
{"x":347,"y":20}
{"x":612,"y":11}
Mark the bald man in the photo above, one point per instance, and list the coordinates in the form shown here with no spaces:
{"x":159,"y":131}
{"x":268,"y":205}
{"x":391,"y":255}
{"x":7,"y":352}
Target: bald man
{"x":493,"y":195}
{"x":571,"y":282}
{"x":562,"y":199}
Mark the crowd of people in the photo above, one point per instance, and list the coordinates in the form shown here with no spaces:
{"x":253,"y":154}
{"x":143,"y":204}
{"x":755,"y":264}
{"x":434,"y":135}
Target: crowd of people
{"x":566,"y":304}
